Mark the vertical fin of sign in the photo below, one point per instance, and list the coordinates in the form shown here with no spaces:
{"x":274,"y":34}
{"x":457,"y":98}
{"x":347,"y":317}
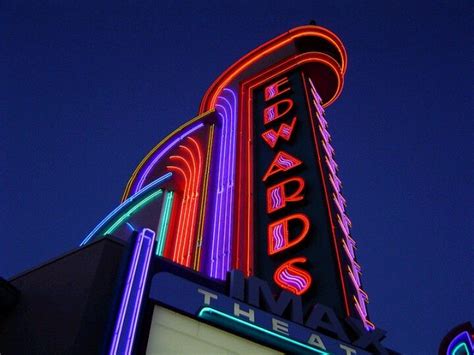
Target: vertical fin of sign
{"x":132,"y":297}
{"x":347,"y":244}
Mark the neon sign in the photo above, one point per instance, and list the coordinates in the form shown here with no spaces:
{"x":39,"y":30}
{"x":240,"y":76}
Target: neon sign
{"x":293,"y":278}
{"x":305,"y":218}
{"x":251,"y":309}
{"x":251,"y":183}
{"x":290,"y":274}
{"x":278,"y":197}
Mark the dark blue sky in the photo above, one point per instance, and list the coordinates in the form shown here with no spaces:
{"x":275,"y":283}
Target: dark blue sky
{"x":86,"y":89}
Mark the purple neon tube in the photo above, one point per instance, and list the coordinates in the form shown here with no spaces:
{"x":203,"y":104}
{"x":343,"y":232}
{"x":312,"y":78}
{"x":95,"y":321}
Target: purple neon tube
{"x":161,"y":153}
{"x":230,"y":182}
{"x":463,"y":337}
{"x":336,"y":183}
{"x":332,"y":165}
{"x":298,"y":282}
{"x":141,"y":288}
{"x":125,"y":327}
{"x":346,"y":221}
{"x":217,"y":205}
{"x":328,"y":148}
{"x":325,"y":133}
{"x":339,"y":200}
{"x":349,"y":248}
{"x":224,"y":198}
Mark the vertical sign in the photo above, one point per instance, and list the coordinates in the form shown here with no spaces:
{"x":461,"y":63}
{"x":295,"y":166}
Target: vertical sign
{"x":293,"y":241}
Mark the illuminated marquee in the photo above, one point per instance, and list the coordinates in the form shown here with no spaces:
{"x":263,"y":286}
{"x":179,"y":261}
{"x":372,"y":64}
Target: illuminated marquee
{"x":251,"y":183}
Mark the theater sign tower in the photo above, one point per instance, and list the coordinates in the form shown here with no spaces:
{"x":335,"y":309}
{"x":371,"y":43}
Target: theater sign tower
{"x":235,"y":224}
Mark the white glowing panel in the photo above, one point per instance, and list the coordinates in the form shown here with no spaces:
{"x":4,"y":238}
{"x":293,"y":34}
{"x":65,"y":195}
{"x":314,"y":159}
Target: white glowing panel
{"x":173,"y":333}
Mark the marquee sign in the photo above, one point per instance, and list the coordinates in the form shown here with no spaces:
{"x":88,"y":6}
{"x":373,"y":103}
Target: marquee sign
{"x":251,"y":184}
{"x":230,"y":313}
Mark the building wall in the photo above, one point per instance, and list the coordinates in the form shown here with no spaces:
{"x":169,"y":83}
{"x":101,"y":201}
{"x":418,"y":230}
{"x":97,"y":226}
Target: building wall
{"x":66,"y":304}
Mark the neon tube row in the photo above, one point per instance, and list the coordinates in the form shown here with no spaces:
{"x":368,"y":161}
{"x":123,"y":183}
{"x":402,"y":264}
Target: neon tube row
{"x":188,"y":165}
{"x":161,"y":153}
{"x":204,"y":195}
{"x":195,"y":219}
{"x":221,"y":246}
{"x":348,"y":244}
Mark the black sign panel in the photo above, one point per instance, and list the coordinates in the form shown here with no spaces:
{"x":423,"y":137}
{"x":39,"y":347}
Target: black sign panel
{"x":291,"y":221}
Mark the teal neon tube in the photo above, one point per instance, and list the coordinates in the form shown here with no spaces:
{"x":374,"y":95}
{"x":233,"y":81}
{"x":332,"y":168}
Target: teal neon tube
{"x":164,"y":222}
{"x":133,"y":210}
{"x":124,"y":205}
{"x":214,"y":315}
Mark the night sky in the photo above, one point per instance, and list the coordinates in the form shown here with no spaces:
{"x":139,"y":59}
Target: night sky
{"x":87,"y":89}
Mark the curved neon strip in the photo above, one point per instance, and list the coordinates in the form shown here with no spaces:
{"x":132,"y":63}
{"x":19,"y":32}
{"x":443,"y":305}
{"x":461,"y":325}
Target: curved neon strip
{"x":195,"y":200}
{"x":184,"y":236}
{"x":267,"y":48}
{"x":165,"y":150}
{"x":221,"y":248}
{"x":177,"y":240}
{"x":205,"y":192}
{"x":460,"y":340}
{"x":157,"y":147}
{"x":463,"y":341}
{"x":231,"y":186}
{"x":180,"y":244}
{"x":132,"y":210}
{"x":188,"y":232}
{"x":207,"y":312}
{"x":462,"y":345}
{"x":292,"y":278}
{"x":185,"y":241}
{"x":215,"y":255}
{"x":225,"y":220}
{"x":125,"y":204}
